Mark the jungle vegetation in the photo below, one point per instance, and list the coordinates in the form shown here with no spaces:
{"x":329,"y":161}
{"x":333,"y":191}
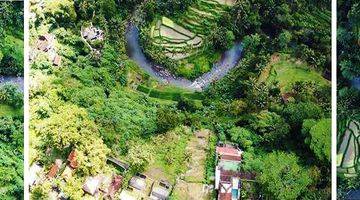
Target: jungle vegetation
{"x":348,"y":84}
{"x":11,"y":101}
{"x":92,"y":102}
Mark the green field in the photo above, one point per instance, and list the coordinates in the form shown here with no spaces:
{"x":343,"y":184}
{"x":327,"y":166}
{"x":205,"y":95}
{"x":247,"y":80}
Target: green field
{"x":6,"y":110}
{"x":288,"y":71}
{"x":169,"y":93}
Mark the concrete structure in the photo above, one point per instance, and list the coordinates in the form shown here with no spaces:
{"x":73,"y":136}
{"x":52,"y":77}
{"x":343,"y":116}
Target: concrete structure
{"x":160,"y":190}
{"x":227,"y":172}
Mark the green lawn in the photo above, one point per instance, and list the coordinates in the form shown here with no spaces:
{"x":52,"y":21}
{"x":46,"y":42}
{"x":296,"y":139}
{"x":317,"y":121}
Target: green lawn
{"x":6,"y":110}
{"x":287,"y":71}
{"x":171,"y":94}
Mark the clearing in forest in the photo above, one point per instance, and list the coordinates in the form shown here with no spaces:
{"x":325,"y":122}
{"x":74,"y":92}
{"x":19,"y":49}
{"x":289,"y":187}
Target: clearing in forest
{"x":287,"y":71}
{"x":191,"y":184}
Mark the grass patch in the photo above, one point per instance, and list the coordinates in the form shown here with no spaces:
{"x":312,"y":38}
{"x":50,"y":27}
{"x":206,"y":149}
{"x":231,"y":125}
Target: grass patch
{"x":171,"y":93}
{"x":197,"y":65}
{"x":171,"y":155}
{"x":6,"y":110}
{"x":15,"y":47}
{"x":288,"y":71}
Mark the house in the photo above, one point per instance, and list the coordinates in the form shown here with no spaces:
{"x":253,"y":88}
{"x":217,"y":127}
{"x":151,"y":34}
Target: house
{"x":128,"y":195}
{"x":229,"y":153}
{"x":114,"y":186}
{"x":227,"y":172}
{"x":34,"y":173}
{"x":45,"y":42}
{"x":57,"y":60}
{"x":160,"y":190}
{"x":230,"y":190}
{"x":119,"y":163}
{"x":91,"y":33}
{"x":138,"y":188}
{"x":92,"y":184}
{"x":72,"y":159}
{"x":105,"y":184}
{"x":67,"y":173}
{"x":54,"y":168}
{"x":138,"y":182}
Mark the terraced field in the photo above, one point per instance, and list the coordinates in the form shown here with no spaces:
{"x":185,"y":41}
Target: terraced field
{"x":348,"y":162}
{"x":184,"y":36}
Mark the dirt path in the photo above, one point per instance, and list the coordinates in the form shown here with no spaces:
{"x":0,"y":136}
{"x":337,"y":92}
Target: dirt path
{"x":190,"y":186}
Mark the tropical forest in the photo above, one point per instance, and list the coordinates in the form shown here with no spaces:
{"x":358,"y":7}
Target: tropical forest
{"x":180,"y":99}
{"x":11,"y":100}
{"x":348,"y":86}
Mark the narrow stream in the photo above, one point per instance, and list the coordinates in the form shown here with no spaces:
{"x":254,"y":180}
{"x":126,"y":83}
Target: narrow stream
{"x":356,"y":83}
{"x":19,"y":81}
{"x":229,"y":60}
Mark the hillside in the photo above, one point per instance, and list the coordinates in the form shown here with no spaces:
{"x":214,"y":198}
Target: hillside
{"x":111,"y":108}
{"x":11,"y":100}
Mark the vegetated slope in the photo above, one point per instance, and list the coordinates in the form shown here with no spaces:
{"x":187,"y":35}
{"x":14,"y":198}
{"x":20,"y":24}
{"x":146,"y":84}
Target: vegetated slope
{"x":348,"y":96}
{"x":90,"y":103}
{"x":11,"y":101}
{"x":11,"y":42}
{"x":286,"y":72}
{"x":11,"y":142}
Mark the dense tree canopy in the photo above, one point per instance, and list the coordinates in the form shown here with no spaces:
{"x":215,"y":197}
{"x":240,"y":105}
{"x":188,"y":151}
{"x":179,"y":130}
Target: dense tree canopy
{"x":11,"y":38}
{"x":282,"y":177}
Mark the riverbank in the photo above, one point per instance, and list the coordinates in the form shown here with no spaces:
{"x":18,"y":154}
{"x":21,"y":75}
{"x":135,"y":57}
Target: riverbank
{"x":229,"y":60}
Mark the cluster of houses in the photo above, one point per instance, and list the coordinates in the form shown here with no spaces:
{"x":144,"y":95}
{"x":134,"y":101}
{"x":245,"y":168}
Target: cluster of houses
{"x":46,"y":44}
{"x":143,"y":187}
{"x":100,"y":186}
{"x":227,"y":172}
{"x":228,"y":179}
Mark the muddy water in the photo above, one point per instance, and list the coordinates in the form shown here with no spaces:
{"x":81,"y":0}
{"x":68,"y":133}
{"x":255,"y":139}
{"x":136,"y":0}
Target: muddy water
{"x":229,"y":60}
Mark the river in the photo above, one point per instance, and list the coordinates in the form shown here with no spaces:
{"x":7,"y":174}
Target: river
{"x":356,"y":83}
{"x":229,"y":60}
{"x":19,"y":81}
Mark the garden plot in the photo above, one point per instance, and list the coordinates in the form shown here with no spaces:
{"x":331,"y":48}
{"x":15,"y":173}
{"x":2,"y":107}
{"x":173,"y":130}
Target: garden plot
{"x":191,"y":184}
{"x":348,"y":156}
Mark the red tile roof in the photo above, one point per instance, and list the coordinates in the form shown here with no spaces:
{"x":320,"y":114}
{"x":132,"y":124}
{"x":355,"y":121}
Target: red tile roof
{"x":57,"y":60}
{"x":72,"y":159}
{"x":115,"y":185}
{"x":53,"y":171}
{"x":228,"y":151}
{"x":230,"y":157}
{"x":224,"y":196}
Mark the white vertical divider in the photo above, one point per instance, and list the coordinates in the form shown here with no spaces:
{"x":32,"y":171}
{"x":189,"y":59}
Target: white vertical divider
{"x":26,"y":98}
{"x":333,"y":97}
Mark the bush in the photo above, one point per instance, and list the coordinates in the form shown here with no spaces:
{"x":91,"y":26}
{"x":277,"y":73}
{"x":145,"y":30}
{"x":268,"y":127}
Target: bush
{"x":11,"y":95}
